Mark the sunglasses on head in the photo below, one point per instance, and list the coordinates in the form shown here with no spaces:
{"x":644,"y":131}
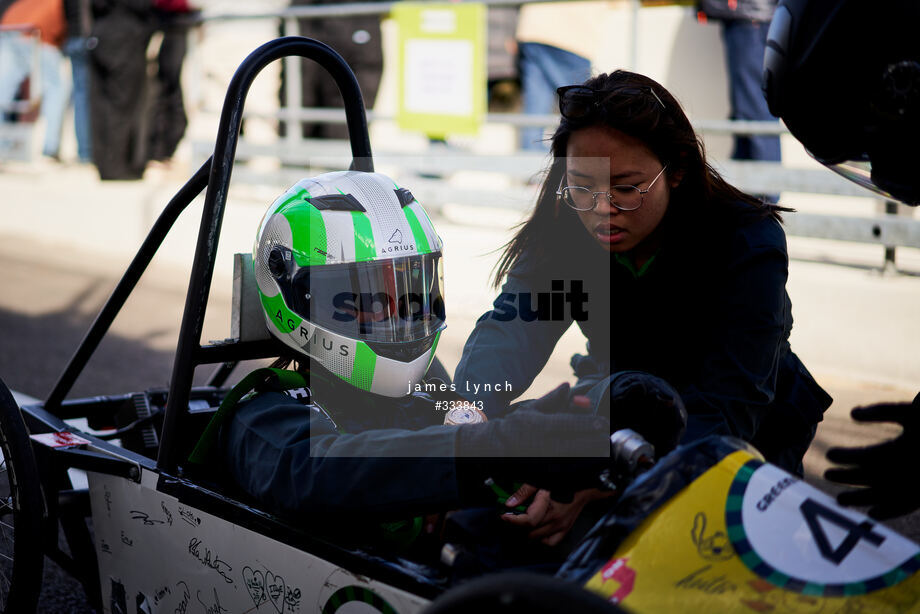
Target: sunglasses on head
{"x":578,"y":101}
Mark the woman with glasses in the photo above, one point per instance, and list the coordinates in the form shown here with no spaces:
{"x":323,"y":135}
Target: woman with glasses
{"x":684,"y":275}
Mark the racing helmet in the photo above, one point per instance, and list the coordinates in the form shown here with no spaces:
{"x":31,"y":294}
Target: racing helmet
{"x":349,"y":272}
{"x":845,"y":77}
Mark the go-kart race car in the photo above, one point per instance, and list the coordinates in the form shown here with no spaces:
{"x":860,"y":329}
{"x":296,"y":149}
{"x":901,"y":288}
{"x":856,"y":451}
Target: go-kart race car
{"x":708,"y":527}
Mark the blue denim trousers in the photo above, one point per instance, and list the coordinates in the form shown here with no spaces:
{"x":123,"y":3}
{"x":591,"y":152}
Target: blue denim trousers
{"x":544,"y":68}
{"x":16,"y":61}
{"x":75,"y":48}
{"x":745,"y":42}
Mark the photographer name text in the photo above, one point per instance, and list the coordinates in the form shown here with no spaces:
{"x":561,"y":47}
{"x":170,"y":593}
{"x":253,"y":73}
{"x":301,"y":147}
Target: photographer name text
{"x":468,"y":387}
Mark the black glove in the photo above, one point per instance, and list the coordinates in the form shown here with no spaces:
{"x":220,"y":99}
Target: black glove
{"x":648,"y":405}
{"x":541,"y":443}
{"x":881,"y":468}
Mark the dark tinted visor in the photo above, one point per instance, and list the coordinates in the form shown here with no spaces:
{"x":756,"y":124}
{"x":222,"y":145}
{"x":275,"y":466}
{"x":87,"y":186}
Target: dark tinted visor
{"x":389,"y":301}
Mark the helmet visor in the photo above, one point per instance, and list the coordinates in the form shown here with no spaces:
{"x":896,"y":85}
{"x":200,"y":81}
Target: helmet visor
{"x":890,"y":185}
{"x":390,"y":301}
{"x":859,"y":172}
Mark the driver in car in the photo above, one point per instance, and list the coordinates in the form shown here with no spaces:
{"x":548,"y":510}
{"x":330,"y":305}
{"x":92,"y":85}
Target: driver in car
{"x":349,"y":273}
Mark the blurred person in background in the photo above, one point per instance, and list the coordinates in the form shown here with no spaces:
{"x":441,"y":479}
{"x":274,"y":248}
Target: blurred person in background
{"x":555,"y":41}
{"x":16,"y":48}
{"x":76,"y":47}
{"x":357,"y":39}
{"x":168,"y":119}
{"x":744,"y":37}
{"x":501,"y":61}
{"x":118,"y":70}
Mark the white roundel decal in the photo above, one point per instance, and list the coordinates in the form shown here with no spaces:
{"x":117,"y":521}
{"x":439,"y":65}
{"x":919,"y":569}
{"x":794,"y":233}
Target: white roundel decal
{"x":798,"y":538}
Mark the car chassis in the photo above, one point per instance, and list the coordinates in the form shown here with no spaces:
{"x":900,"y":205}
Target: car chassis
{"x":162,"y":539}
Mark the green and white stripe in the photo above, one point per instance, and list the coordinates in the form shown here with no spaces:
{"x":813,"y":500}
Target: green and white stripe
{"x":426,"y":239}
{"x":318,"y":237}
{"x":363,"y":237}
{"x":309,"y":247}
{"x":362,"y":369}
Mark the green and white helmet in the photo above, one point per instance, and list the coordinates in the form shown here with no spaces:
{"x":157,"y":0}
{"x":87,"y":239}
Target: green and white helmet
{"x":349,"y":271}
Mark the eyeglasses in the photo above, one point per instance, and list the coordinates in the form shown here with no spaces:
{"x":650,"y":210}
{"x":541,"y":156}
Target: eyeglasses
{"x":577,"y":102}
{"x":623,"y":197}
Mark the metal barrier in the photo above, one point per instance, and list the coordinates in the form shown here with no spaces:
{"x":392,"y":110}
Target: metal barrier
{"x":297,"y":155}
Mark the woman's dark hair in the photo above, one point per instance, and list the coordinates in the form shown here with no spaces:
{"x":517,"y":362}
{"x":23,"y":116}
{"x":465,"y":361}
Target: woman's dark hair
{"x":640,"y":107}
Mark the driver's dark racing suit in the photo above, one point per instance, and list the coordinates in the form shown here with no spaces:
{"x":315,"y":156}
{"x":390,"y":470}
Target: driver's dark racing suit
{"x":385,"y":458}
{"x":336,"y":452}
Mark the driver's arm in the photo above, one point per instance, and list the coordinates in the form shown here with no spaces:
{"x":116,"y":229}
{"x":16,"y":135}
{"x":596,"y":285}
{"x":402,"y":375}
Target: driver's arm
{"x":292,"y":459}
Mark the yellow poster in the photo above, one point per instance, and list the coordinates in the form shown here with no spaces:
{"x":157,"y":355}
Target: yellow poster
{"x":442,"y":77}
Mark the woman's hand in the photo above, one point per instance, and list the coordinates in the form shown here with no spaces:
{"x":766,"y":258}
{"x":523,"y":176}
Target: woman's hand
{"x":549,"y":520}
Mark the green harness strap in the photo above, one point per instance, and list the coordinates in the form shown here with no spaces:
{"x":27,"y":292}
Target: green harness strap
{"x":266,"y":378}
{"x":401,"y":534}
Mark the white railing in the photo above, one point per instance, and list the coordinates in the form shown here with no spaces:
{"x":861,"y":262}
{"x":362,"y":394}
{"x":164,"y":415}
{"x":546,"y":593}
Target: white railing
{"x":430,"y":173}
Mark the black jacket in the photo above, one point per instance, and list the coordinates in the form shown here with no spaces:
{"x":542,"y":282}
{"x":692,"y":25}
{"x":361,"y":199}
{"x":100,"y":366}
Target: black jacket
{"x":710,"y":315}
